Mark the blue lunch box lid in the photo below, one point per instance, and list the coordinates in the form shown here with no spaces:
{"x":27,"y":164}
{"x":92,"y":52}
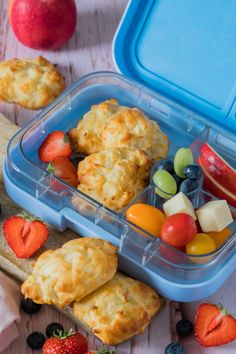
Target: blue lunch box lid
{"x":186,"y":50}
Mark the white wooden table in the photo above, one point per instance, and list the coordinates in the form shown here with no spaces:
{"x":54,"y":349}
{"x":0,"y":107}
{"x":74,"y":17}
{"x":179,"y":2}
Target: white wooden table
{"x":90,"y":50}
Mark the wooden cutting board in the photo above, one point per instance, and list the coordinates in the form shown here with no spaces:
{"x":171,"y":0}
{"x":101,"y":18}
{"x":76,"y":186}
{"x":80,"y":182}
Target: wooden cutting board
{"x":160,"y":328}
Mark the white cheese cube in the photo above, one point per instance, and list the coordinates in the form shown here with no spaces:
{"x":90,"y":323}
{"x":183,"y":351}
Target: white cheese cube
{"x":214,"y":216}
{"x":179,"y":204}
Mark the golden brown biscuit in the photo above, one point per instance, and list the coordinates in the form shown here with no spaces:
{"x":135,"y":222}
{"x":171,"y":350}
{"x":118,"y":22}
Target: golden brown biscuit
{"x":71,"y":272}
{"x":114,"y":177}
{"x":108,"y":125}
{"x":86,"y":137}
{"x":30,"y":83}
{"x":118,"y":310}
{"x":133,"y":129}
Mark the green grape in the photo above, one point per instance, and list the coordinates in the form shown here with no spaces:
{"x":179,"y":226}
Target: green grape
{"x":183,"y":158}
{"x":165,"y":184}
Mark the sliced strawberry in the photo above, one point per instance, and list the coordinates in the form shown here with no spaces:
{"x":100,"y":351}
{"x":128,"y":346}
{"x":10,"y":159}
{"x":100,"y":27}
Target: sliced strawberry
{"x":24,"y":235}
{"x":63,"y":168}
{"x":56,"y":144}
{"x":213,"y":326}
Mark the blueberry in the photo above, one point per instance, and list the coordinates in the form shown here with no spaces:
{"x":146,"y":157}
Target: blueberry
{"x":193,"y":172}
{"x":36,"y":340}
{"x":184,"y":328}
{"x":178,"y":180}
{"x":166,"y":165}
{"x":188,"y":185}
{"x":175,"y":348}
{"x":30,"y":307}
{"x":52,"y":327}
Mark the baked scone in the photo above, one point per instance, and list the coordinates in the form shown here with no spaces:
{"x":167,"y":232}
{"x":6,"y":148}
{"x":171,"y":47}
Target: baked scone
{"x":109,"y":125}
{"x":86,"y":137}
{"x":118,"y":310}
{"x":30,"y":83}
{"x":132,"y":129}
{"x":71,"y":272}
{"x":114,"y":177}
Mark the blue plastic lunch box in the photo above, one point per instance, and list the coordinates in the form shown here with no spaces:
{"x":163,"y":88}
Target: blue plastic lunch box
{"x":178,"y":61}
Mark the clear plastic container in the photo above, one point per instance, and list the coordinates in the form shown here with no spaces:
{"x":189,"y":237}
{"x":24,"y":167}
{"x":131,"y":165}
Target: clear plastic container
{"x":175,"y":274}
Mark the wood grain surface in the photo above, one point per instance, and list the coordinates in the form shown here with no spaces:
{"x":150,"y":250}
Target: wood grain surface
{"x":89,"y":50}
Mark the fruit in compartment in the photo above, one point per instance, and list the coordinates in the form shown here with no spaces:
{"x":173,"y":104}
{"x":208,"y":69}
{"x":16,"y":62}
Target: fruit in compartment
{"x":178,"y":180}
{"x":183,"y":158}
{"x":64,"y":169}
{"x":214,"y":326}
{"x":165,"y":184}
{"x":219,"y":176}
{"x":193,"y":171}
{"x":164,"y":164}
{"x":221,"y":236}
{"x":215,"y":188}
{"x":188,"y":185}
{"x":146,"y":217}
{"x":219,"y":170}
{"x":201,"y":244}
{"x":214,"y":216}
{"x":178,"y":229}
{"x":179,"y":204}
{"x":55,"y":144}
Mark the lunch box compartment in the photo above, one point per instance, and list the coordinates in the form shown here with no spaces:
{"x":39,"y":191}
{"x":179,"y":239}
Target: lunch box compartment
{"x":140,"y":254}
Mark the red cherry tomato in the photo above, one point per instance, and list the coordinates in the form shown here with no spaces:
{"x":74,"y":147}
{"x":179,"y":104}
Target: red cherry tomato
{"x":178,"y":230}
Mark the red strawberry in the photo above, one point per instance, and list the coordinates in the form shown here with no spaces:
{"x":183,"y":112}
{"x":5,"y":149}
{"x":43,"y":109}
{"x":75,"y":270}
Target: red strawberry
{"x":56,"y":144}
{"x":213,"y":326}
{"x":102,"y":351}
{"x":66,"y":342}
{"x":24,"y":234}
{"x":63,"y":168}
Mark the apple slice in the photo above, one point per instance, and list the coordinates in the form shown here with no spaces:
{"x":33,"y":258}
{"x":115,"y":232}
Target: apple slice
{"x":218,"y":168}
{"x":216,"y":188}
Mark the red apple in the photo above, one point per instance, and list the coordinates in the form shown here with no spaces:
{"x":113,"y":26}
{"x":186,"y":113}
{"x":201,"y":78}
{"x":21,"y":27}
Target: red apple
{"x":216,"y":188}
{"x":218,"y":168}
{"x":42,"y":24}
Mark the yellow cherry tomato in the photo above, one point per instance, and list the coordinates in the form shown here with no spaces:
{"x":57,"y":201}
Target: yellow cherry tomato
{"x":146,"y":217}
{"x":201,"y":244}
{"x":221,"y":236}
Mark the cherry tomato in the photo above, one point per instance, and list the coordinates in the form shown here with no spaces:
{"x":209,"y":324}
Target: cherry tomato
{"x":221,"y":236}
{"x":178,"y":229}
{"x":146,"y":217}
{"x":201,"y":244}
{"x":63,"y":168}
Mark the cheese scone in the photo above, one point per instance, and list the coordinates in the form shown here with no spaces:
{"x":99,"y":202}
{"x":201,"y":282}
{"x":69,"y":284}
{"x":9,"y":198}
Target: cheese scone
{"x":114,"y":177}
{"x":132,"y":129}
{"x":71,"y":272}
{"x":118,"y":310}
{"x":30,"y":83}
{"x":86,"y":137}
{"x":109,"y":125}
